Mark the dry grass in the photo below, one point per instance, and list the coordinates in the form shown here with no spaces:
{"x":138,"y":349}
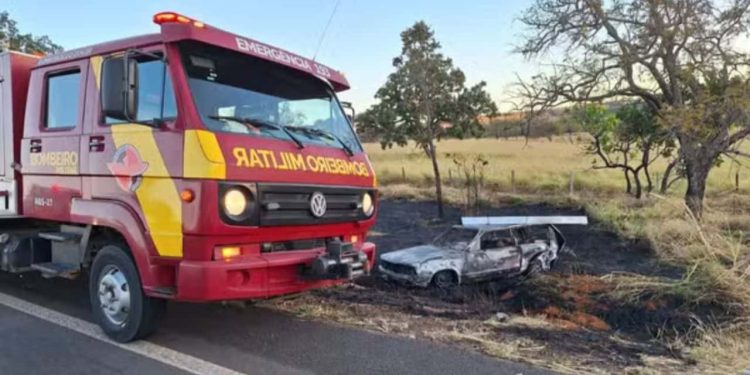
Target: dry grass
{"x":714,"y":252}
{"x":540,"y":165}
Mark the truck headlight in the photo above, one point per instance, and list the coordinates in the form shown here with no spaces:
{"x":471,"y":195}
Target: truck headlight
{"x":235,"y":202}
{"x":368,"y":208}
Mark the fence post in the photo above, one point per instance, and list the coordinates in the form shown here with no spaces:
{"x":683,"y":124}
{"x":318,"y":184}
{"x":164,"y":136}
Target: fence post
{"x":737,"y":181}
{"x":403,"y":174}
{"x":513,"y":181}
{"x":572,"y":182}
{"x":450,"y":176}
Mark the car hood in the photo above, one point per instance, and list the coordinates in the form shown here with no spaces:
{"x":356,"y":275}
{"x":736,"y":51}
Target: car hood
{"x":418,"y":254}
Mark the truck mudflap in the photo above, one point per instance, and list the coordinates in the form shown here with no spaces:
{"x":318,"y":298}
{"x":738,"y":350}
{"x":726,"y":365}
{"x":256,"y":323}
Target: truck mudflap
{"x":340,"y":261}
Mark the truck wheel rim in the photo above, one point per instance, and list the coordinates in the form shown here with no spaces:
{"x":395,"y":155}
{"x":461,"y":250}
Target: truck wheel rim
{"x":114,"y":295}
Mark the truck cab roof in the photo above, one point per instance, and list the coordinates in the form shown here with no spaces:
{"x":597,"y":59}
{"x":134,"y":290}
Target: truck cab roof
{"x":177,"y":28}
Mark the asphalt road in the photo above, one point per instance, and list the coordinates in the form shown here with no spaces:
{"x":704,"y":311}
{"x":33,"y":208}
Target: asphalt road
{"x":251,"y":341}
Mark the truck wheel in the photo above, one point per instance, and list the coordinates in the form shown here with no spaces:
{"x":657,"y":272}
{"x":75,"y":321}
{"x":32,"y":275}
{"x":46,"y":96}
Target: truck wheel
{"x":118,"y":303}
{"x":444,"y":280}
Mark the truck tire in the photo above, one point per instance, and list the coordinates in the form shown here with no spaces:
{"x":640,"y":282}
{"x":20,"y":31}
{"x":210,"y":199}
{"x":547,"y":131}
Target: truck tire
{"x":118,"y":303}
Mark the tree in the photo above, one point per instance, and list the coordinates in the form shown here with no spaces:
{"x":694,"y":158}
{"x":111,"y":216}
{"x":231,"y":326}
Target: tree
{"x":426,"y":99}
{"x":629,"y":139}
{"x":12,"y":39}
{"x":680,"y":57}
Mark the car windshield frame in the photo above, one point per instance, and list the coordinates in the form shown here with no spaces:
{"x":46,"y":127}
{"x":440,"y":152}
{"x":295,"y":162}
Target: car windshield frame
{"x":439,"y":240}
{"x":337,"y":124}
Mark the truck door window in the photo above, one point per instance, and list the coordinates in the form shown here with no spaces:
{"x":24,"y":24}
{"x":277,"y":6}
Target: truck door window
{"x":155,"y":94}
{"x":63,"y":97}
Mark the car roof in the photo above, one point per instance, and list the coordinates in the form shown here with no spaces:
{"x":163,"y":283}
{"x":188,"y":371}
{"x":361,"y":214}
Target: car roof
{"x":489,"y":227}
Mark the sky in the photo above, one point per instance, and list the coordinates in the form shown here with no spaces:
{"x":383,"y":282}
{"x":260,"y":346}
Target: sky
{"x":361,"y":41}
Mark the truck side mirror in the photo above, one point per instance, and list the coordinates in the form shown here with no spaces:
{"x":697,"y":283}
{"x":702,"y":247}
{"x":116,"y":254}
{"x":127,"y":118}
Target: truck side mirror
{"x":119,"y":88}
{"x":350,"y":113}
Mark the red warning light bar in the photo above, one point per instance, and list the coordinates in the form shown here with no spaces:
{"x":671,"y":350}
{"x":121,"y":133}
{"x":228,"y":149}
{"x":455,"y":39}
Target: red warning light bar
{"x":172,"y":17}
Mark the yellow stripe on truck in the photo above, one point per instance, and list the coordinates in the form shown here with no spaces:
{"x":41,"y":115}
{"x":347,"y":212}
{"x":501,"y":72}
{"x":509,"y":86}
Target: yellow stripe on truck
{"x":96,"y":66}
{"x":157,"y":193}
{"x":202,"y":156}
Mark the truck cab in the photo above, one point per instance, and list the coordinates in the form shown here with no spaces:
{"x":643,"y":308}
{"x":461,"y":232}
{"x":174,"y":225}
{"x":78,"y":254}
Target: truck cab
{"x":192,"y":164}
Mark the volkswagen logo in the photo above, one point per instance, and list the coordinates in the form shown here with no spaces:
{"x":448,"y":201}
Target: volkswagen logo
{"x":318,"y":204}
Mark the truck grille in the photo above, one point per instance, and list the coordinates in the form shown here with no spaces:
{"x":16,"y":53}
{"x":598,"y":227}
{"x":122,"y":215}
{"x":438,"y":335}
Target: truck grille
{"x":272,"y":247}
{"x":398,"y":268}
{"x":290,"y":204}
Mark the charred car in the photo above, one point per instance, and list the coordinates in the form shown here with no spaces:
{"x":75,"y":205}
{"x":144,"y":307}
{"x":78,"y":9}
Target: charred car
{"x":481,"y":249}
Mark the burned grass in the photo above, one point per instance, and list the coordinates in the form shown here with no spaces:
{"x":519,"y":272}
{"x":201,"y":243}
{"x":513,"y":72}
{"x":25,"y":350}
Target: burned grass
{"x":611,"y":306}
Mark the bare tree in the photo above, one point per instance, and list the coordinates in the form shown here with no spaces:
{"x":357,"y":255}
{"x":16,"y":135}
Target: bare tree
{"x":678,"y":56}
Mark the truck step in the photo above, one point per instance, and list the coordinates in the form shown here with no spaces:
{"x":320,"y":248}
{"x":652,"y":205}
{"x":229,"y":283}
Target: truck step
{"x":60,"y":236}
{"x":64,"y":270}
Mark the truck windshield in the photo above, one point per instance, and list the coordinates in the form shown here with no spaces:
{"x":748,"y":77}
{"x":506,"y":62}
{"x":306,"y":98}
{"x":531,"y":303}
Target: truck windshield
{"x":237,"y":93}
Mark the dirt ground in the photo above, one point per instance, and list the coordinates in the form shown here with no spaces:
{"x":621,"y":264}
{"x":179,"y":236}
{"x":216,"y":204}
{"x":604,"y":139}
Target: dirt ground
{"x":571,"y":320}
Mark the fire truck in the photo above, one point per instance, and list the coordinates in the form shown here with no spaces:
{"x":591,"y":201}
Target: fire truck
{"x":191,"y":164}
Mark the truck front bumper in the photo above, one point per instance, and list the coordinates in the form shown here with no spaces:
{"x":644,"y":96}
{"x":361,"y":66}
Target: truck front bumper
{"x":267,"y":274}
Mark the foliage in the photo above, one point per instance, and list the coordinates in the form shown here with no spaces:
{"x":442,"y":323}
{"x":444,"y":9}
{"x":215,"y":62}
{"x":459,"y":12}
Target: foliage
{"x":12,"y":39}
{"x":680,"y":57}
{"x":629,"y":139}
{"x":426,"y":99}
{"x":472,"y":167}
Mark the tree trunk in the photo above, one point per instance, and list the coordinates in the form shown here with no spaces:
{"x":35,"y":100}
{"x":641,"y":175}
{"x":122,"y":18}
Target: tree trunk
{"x":645,"y":159}
{"x":667,"y":174}
{"x":638,"y":185}
{"x":697,"y":174}
{"x":436,"y":171}
{"x":629,"y":185}
{"x":697,"y":166}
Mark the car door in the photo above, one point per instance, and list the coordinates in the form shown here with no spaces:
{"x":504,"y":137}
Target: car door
{"x":497,"y":253}
{"x":502,"y":249}
{"x":50,"y":148}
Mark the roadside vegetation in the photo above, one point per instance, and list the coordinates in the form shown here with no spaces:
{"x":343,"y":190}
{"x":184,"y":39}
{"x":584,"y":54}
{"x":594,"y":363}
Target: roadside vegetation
{"x":649,"y":290}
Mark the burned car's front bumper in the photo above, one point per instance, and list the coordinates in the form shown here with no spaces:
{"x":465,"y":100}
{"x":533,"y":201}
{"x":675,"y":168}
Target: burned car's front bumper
{"x":404,"y":274}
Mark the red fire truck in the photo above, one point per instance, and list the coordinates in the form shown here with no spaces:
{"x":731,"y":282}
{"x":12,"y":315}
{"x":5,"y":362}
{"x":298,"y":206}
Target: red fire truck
{"x":190,"y":165}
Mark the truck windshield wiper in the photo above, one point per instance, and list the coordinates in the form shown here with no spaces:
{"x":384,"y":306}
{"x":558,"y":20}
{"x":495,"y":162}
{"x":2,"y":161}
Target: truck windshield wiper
{"x":322,"y":133}
{"x":256,"y":123}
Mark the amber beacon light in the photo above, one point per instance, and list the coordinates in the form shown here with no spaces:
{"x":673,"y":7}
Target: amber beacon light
{"x":172,"y":17}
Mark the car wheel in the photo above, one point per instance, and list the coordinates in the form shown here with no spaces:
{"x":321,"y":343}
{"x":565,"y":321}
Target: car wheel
{"x":118,"y":303}
{"x":535,"y":268}
{"x":445,"y":280}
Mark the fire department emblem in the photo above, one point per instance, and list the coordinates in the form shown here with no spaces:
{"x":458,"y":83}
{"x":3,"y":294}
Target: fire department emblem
{"x":318,"y":204}
{"x":128,"y":168}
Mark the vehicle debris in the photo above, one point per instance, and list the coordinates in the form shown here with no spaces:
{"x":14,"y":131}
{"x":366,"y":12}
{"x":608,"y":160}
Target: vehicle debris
{"x":480,"y":249}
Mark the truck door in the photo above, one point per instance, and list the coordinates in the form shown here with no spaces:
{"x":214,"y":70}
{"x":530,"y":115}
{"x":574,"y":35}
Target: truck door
{"x":50,"y":148}
{"x":138,"y":163}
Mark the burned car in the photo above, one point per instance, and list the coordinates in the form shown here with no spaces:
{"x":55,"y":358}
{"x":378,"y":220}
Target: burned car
{"x":480,"y":249}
